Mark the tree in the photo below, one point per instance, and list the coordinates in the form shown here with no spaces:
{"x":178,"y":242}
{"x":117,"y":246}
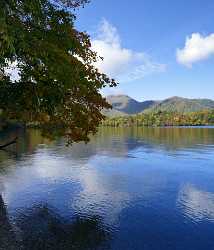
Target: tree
{"x":58,"y":85}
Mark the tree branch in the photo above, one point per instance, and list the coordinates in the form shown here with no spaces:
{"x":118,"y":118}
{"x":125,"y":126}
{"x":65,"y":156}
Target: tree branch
{"x":8,"y":144}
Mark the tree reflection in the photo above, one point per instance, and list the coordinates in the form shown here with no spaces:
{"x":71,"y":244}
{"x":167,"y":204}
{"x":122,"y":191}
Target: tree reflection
{"x":114,"y":141}
{"x":7,"y":236}
{"x":41,"y":228}
{"x":170,"y":138}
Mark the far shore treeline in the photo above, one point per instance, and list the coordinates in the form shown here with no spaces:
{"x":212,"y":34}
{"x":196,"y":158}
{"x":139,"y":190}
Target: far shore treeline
{"x":162,"y":118}
{"x":155,"y":119}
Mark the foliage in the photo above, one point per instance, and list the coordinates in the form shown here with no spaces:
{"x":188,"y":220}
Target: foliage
{"x":163,"y":119}
{"x":58,"y":86}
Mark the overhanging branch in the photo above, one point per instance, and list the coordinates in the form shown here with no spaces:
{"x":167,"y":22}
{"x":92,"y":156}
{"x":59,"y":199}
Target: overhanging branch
{"x":9,"y":143}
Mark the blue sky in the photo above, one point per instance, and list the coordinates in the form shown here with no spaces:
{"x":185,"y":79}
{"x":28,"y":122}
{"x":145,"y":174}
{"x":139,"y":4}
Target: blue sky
{"x":154,"y":48}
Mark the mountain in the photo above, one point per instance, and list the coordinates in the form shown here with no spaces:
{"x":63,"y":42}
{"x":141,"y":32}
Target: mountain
{"x":182,"y":105}
{"x":125,"y":105}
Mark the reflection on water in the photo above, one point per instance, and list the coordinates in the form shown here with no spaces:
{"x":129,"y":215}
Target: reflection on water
{"x":197,"y":204}
{"x":42,"y":228}
{"x":133,"y":188}
{"x":7,"y":236}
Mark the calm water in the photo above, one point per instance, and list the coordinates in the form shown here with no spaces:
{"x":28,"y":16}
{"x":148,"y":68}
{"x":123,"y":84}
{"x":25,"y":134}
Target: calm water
{"x":143,"y":189}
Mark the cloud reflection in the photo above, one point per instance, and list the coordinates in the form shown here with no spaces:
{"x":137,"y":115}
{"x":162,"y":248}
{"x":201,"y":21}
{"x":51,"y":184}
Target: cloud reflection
{"x":196,"y":204}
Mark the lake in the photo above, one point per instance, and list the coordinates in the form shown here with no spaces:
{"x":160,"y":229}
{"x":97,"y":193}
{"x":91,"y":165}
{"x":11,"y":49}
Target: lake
{"x":128,"y":189}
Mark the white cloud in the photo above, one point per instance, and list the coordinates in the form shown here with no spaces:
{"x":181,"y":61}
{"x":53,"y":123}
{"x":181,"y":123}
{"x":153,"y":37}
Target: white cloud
{"x":197,"y":48}
{"x":121,"y":63}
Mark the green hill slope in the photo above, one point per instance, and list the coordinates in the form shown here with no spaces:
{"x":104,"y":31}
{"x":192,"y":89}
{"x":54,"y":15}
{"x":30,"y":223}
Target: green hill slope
{"x":125,"y":105}
{"x":182,"y":105}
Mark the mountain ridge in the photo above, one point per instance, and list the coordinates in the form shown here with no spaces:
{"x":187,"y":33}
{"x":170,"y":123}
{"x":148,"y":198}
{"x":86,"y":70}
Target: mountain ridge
{"x":125,"y":105}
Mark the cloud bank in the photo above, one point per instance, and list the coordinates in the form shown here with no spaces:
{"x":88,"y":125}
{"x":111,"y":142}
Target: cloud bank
{"x":121,"y":63}
{"x":197,"y":48}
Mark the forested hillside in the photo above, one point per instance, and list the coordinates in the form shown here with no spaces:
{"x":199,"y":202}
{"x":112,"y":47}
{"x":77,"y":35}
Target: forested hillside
{"x":125,"y":105}
{"x":163,"y":119}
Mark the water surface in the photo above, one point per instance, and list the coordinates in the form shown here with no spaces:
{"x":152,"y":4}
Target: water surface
{"x":131,"y":188}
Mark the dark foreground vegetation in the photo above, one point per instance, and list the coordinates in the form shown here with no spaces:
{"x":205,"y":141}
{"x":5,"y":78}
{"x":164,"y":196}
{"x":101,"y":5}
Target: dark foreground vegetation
{"x":162,"y":119}
{"x":55,"y":83}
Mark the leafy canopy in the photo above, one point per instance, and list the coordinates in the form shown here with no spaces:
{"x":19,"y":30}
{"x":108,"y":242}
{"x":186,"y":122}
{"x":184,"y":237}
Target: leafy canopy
{"x":58,"y":86}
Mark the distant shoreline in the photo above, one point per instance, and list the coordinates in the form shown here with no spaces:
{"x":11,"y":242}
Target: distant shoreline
{"x":163,"y":119}
{"x":175,"y":126}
